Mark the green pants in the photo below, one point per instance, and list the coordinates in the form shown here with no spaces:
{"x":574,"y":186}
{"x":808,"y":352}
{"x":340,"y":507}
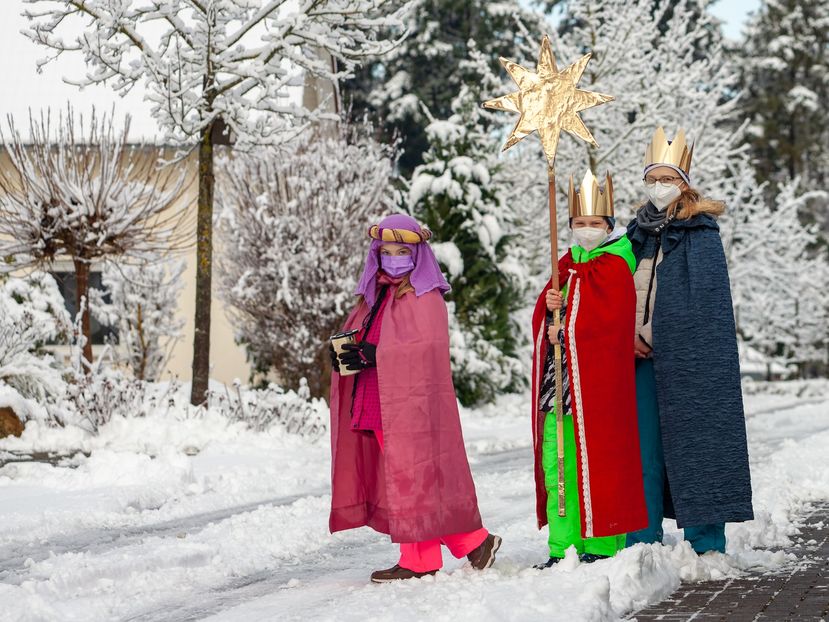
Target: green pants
{"x":565,"y":531}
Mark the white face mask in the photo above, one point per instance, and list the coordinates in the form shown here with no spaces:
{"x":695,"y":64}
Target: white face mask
{"x":662,"y":195}
{"x":589,"y":237}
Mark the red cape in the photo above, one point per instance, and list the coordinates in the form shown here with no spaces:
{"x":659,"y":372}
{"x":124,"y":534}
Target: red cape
{"x":420,"y":487}
{"x":599,"y":330}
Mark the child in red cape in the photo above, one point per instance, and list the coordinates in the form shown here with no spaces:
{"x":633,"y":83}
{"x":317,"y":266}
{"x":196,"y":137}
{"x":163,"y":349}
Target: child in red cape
{"x":603,"y":491}
{"x":399,"y":464}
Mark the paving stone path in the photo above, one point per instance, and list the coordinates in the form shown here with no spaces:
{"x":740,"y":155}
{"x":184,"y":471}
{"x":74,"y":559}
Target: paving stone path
{"x":797,"y":593}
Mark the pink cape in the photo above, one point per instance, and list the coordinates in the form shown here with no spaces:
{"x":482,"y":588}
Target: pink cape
{"x":420,"y":487}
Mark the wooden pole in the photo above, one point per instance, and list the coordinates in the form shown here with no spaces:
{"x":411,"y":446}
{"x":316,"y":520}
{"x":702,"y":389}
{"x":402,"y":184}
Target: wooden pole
{"x":551,"y":178}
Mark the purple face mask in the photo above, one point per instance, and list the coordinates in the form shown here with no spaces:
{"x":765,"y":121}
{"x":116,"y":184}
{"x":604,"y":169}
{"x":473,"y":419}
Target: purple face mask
{"x":397,"y":265}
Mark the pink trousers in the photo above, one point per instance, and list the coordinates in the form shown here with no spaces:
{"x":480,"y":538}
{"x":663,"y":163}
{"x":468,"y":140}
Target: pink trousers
{"x":426,"y":556}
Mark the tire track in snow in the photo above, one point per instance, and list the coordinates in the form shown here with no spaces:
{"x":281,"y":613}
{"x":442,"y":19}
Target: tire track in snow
{"x":14,"y":557}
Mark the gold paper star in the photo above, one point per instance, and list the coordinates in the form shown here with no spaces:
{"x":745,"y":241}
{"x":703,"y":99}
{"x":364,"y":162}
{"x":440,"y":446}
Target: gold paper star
{"x":548,"y":101}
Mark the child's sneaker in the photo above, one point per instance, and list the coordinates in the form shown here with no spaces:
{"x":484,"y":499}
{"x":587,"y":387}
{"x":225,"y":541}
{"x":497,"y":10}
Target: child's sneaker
{"x":484,"y":556}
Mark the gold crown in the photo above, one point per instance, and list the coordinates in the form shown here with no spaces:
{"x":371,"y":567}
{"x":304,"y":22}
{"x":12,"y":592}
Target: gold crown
{"x":675,"y":153}
{"x":590,"y":200}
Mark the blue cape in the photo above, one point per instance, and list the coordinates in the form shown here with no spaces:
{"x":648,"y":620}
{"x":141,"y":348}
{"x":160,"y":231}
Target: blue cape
{"x":697,"y":374}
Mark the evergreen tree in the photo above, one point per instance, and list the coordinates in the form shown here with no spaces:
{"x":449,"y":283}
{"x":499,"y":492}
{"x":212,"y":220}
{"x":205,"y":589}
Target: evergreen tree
{"x":785,"y":80}
{"x":428,"y":67}
{"x":456,"y":193}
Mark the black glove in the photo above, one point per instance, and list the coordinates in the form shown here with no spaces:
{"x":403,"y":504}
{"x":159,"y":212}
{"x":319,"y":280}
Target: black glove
{"x":359,"y":355}
{"x":335,"y":362}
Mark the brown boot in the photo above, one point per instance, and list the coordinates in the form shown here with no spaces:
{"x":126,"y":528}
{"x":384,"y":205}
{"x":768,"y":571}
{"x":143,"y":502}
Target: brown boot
{"x":396,"y":573}
{"x":484,"y":556}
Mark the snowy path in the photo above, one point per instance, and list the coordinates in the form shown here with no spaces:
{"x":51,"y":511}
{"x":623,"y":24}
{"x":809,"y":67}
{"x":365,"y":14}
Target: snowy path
{"x":13,"y":558}
{"x":240,"y":533}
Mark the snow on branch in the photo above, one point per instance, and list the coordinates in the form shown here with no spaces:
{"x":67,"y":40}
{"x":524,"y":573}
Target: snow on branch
{"x":73,"y":193}
{"x":201,"y":60}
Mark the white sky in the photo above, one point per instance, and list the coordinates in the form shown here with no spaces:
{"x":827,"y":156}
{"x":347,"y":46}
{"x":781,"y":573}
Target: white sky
{"x":734,"y":13}
{"x":25,"y":88}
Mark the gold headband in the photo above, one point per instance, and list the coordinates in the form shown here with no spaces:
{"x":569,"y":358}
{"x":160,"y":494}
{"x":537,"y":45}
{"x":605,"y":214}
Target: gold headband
{"x":399,"y":236}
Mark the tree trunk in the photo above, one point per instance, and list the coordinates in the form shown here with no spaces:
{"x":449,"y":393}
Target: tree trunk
{"x":204,"y":270}
{"x":82,"y":305}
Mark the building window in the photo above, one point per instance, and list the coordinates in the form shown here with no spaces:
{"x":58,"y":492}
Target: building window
{"x":67,"y":285}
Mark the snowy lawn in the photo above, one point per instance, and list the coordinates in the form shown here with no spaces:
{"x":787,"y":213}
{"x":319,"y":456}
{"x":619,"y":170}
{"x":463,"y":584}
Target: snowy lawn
{"x":175,"y":518}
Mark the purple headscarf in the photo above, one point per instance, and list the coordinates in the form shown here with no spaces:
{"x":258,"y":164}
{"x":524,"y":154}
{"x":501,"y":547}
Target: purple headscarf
{"x":426,"y":275}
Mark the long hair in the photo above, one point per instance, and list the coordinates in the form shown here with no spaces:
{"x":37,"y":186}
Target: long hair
{"x":691,"y":203}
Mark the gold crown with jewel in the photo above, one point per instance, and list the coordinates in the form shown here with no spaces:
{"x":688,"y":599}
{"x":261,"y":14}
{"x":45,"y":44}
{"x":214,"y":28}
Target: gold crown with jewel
{"x":589,"y":199}
{"x":674,"y":153}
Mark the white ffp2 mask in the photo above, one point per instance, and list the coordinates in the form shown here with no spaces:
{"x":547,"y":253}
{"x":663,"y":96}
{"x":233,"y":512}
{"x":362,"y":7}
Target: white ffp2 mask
{"x":662,"y":195}
{"x":589,"y":237}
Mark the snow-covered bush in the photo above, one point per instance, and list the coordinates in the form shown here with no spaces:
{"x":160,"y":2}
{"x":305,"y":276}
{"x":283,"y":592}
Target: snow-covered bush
{"x":293,"y":242}
{"x":31,"y":314}
{"x":261,"y":409}
{"x":142,"y":307}
{"x":94,"y":398}
{"x":218,"y":68}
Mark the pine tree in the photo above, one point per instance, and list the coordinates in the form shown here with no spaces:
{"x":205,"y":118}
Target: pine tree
{"x":428,"y":67}
{"x":785,"y":81}
{"x":456,"y":194}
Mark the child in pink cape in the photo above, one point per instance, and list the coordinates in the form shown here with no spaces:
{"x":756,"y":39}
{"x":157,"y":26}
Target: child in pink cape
{"x":398,"y":460}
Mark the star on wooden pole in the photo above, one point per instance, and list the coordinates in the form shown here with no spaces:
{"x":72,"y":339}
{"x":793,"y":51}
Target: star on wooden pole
{"x":548,"y":101}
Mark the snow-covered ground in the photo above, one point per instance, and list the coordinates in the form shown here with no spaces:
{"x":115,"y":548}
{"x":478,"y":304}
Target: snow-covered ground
{"x":177,"y":518}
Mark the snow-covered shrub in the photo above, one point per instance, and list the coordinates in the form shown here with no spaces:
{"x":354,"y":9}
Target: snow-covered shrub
{"x":94,"y":398}
{"x":31,"y":314}
{"x":261,"y":409}
{"x":142,"y":307}
{"x":293,"y":242}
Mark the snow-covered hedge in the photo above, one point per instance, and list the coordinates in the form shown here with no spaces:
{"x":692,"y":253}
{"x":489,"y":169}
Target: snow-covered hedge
{"x":262,"y":409}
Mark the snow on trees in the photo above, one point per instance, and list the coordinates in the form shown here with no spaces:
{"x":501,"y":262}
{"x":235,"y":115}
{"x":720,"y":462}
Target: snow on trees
{"x":84,"y":196}
{"x":430,"y":66}
{"x":454,"y":193}
{"x":658,"y":78}
{"x":778,"y":281}
{"x":784,"y":73}
{"x":213,"y":65}
{"x":294,"y":240}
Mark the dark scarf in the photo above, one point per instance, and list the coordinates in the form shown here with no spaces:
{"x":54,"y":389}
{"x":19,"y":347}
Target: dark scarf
{"x":652,"y":220}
